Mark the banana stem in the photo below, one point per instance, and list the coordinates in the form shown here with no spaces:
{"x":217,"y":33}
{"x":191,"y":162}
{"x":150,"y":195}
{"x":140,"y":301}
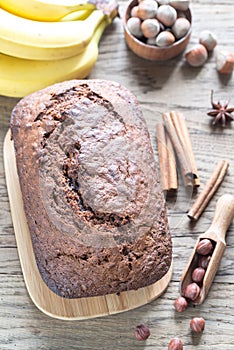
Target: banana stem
{"x":97,"y":16}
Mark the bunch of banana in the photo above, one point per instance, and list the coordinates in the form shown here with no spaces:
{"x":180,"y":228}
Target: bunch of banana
{"x":20,"y":77}
{"x":47,"y":10}
{"x":36,"y":54}
{"x":30,"y":39}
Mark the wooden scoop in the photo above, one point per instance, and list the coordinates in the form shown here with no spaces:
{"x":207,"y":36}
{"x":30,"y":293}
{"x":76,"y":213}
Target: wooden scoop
{"x":224,"y":214}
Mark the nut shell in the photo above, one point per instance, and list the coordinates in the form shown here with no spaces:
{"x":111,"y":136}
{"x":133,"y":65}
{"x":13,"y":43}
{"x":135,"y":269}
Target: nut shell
{"x":180,"y":304}
{"x":175,"y":344}
{"x":224,"y":62}
{"x":147,"y":9}
{"x":208,"y":39}
{"x":204,"y":261}
{"x":192,"y":291}
{"x":198,"y":274}
{"x":197,"y":55}
{"x":197,"y":324}
{"x":134,"y":11}
{"x":181,"y":27}
{"x":150,"y":27}
{"x":142,"y":332}
{"x":134,"y":27}
{"x":204,"y":247}
{"x":165,"y":39}
{"x":167,"y":15}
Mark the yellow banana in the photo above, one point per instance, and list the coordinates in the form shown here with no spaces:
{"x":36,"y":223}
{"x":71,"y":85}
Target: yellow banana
{"x":45,"y":10}
{"x":29,"y":39}
{"x":21,"y":77}
{"x":77,"y":15}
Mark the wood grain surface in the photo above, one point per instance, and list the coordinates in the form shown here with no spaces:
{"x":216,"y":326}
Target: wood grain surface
{"x":159,"y":87}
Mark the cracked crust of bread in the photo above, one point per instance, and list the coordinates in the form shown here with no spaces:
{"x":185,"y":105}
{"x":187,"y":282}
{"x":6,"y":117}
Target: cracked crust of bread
{"x":90,"y":188}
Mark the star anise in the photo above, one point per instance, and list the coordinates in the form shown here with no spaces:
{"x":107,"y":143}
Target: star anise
{"x":220,"y":111}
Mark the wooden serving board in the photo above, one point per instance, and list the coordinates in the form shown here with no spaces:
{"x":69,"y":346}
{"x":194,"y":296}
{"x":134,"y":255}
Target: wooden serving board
{"x":46,"y":300}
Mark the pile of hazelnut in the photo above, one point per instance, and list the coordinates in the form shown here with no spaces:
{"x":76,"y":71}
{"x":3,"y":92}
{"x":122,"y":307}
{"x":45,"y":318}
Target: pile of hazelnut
{"x":197,"y":55}
{"x":159,"y":23}
{"x":204,"y":250}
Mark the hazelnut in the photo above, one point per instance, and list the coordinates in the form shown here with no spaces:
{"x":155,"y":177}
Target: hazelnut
{"x":164,"y":39}
{"x":181,"y":27}
{"x":224,"y":62}
{"x":204,"y":247}
{"x":142,"y":332}
{"x":197,"y":324}
{"x":192,"y":291}
{"x":180,"y":304}
{"x":147,"y":9}
{"x":167,"y":15}
{"x":134,"y":11}
{"x":208,"y":39}
{"x":175,"y":344}
{"x":134,"y":27}
{"x":181,"y":5}
{"x":198,"y":274}
{"x":197,"y":55}
{"x":203,"y":261}
{"x":150,"y":27}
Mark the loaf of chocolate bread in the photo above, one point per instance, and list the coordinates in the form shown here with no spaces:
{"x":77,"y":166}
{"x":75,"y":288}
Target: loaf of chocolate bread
{"x":91,"y":193}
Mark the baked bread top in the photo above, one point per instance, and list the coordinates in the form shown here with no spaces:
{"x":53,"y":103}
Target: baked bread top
{"x":90,"y":188}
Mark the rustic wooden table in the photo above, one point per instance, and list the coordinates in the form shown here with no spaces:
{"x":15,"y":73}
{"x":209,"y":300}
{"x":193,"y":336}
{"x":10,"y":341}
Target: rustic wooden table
{"x":159,"y":87}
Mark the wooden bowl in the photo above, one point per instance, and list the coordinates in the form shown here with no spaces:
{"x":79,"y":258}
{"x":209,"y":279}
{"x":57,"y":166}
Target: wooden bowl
{"x":150,"y":52}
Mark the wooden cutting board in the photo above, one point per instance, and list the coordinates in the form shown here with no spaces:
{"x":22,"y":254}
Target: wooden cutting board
{"x":46,"y":300}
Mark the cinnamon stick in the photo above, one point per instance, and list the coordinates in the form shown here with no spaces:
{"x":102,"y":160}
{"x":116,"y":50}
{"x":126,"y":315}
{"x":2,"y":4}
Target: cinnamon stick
{"x":173,"y":182}
{"x":209,"y":190}
{"x":162,"y":155}
{"x":185,"y":164}
{"x":183,"y":134}
{"x":167,"y":162}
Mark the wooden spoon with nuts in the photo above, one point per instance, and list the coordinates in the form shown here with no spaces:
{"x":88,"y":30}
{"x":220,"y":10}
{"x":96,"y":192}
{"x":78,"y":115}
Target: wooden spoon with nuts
{"x":211,"y":246}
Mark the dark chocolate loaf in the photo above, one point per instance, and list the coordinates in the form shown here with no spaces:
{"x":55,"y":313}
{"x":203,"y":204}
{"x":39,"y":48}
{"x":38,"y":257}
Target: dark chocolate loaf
{"x":90,"y":188}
